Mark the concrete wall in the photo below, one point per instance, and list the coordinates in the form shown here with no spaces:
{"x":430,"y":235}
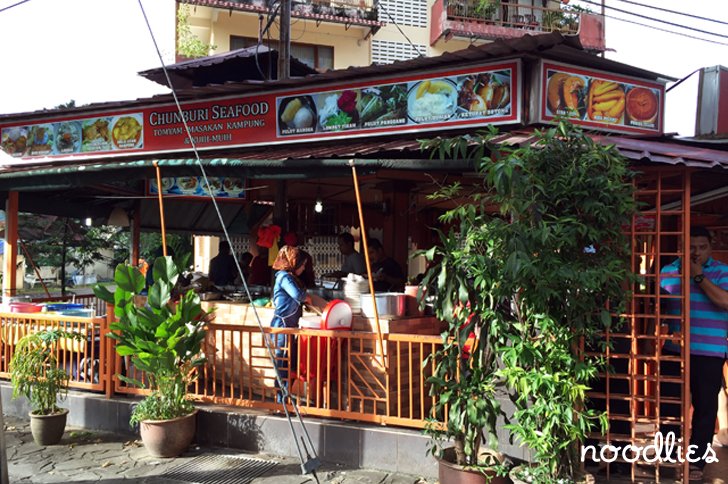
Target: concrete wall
{"x":347,"y":443}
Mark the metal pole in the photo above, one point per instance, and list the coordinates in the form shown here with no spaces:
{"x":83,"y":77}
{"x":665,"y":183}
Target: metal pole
{"x":284,"y":44}
{"x":284,"y":72}
{"x":161,"y":209}
{"x":366,"y":259}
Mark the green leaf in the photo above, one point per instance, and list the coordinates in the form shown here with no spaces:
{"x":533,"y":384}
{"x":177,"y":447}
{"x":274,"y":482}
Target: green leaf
{"x":104,"y":294}
{"x":159,"y":294}
{"x":129,"y":278}
{"x":165,"y":270}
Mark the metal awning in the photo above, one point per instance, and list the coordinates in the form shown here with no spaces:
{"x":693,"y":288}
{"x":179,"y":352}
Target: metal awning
{"x":74,"y":175}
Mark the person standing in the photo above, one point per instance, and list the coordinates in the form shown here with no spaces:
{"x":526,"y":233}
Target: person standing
{"x":222,"y":266}
{"x":708,"y":336}
{"x":353,"y":261}
{"x":386,"y":272}
{"x":289,"y":295}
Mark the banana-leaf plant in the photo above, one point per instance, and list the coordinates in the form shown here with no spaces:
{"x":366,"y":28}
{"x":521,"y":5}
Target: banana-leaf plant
{"x":163,"y":338}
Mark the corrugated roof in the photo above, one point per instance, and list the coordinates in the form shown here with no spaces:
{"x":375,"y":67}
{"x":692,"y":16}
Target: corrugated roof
{"x":552,"y":46}
{"x":233,"y":66}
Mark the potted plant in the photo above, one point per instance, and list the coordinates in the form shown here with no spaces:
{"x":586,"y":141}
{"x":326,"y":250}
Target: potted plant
{"x":35,"y":374}
{"x":545,"y":267}
{"x":464,"y":379}
{"x":164,"y":340}
{"x":487,"y":9}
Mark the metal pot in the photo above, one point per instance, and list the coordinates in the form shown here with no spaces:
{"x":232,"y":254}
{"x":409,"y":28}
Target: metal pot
{"x":389,"y":304}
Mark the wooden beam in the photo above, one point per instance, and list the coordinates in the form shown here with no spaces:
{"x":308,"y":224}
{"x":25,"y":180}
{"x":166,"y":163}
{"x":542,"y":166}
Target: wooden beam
{"x":10,"y":260}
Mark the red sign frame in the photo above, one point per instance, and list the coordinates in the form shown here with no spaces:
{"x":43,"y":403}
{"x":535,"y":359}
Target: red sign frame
{"x":582,"y":87}
{"x":255,"y":120}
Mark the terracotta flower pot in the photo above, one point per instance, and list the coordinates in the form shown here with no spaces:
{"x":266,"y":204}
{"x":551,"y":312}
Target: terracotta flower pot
{"x":48,"y":429}
{"x":451,"y":473}
{"x":168,"y":438}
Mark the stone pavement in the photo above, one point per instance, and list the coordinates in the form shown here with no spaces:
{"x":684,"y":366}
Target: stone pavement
{"x":85,"y":457}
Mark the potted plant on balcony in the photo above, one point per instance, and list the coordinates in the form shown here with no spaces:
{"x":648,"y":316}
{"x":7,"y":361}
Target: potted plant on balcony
{"x":164,"y":340}
{"x":35,"y":374}
{"x":487,"y":9}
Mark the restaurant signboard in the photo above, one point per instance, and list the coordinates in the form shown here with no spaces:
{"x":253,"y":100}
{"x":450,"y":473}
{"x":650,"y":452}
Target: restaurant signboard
{"x":221,"y":187}
{"x":601,"y":100}
{"x":476,"y":96}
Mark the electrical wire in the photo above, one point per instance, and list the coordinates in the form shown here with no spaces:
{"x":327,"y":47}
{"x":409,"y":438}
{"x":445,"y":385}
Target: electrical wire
{"x":682,"y":80}
{"x":305,"y":465}
{"x":674,"y":12}
{"x":13,"y":5}
{"x":380,"y":4}
{"x":665,"y":30}
{"x":673,"y":24}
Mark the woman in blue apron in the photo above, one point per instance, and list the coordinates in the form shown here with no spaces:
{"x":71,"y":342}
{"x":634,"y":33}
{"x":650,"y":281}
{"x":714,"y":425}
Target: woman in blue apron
{"x":289,"y":295}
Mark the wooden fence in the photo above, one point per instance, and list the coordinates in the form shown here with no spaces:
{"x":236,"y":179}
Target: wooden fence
{"x":337,"y":374}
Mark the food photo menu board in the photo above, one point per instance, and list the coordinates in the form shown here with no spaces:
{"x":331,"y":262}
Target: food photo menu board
{"x":224,"y":187}
{"x":465,"y":97}
{"x":90,"y":135}
{"x":601,"y":100}
{"x":482,"y":95}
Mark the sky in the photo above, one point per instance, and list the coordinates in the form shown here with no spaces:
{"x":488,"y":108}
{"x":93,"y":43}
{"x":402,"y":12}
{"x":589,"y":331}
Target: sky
{"x":91,"y":50}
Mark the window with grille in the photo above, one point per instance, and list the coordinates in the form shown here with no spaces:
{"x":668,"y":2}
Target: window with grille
{"x":386,"y":51}
{"x":404,"y":12}
{"x":316,"y":56}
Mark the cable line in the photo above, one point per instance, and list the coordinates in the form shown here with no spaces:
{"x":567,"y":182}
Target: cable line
{"x":310,"y":462}
{"x":674,"y":12}
{"x":665,"y":30}
{"x":655,"y":19}
{"x":13,"y":5}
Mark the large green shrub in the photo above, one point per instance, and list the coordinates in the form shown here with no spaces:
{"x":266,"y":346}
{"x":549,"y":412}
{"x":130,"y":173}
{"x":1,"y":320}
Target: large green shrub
{"x":540,"y":261}
{"x":162,"y":338}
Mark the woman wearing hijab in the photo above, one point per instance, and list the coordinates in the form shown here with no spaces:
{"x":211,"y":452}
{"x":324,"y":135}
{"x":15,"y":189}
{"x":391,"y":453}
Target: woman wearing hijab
{"x":289,"y":295}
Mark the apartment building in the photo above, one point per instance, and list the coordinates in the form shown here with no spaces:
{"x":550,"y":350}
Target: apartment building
{"x":335,"y":34}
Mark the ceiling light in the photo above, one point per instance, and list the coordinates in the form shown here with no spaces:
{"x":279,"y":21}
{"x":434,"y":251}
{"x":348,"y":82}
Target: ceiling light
{"x":88,"y":222}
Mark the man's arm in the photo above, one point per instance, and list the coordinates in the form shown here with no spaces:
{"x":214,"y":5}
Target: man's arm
{"x":715,"y":293}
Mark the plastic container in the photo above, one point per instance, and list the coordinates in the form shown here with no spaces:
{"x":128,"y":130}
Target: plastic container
{"x":21,"y":307}
{"x":63,"y":306}
{"x":83,"y":313}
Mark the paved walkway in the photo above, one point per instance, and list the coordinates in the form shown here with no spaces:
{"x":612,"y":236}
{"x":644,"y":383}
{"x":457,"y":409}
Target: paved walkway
{"x":85,"y":457}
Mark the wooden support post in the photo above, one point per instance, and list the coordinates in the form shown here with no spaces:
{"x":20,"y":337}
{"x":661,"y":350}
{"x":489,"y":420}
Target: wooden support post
{"x":10,"y":261}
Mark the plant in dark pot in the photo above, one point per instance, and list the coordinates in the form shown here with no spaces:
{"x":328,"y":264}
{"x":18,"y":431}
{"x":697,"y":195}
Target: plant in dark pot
{"x":35,"y":374}
{"x":554,"y":267}
{"x":464,"y":382}
{"x":164,"y":340}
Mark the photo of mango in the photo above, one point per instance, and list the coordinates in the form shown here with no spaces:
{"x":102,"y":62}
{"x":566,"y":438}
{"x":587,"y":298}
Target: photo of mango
{"x":565,"y":95}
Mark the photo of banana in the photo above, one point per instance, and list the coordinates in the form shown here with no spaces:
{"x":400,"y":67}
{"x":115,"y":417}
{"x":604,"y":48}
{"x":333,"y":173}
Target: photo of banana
{"x":606,"y":101}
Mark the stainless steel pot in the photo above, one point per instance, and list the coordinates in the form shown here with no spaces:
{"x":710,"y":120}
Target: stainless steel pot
{"x":389,"y":304}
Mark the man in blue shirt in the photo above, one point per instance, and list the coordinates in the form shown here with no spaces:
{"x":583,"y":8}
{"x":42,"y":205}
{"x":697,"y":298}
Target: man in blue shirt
{"x":708,"y":335}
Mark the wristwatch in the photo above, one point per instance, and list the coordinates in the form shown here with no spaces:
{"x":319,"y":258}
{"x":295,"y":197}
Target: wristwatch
{"x":698,"y":279}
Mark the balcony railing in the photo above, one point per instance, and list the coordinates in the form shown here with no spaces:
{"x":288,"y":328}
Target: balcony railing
{"x":354,"y":12}
{"x":458,"y":18}
{"x":516,"y":16}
